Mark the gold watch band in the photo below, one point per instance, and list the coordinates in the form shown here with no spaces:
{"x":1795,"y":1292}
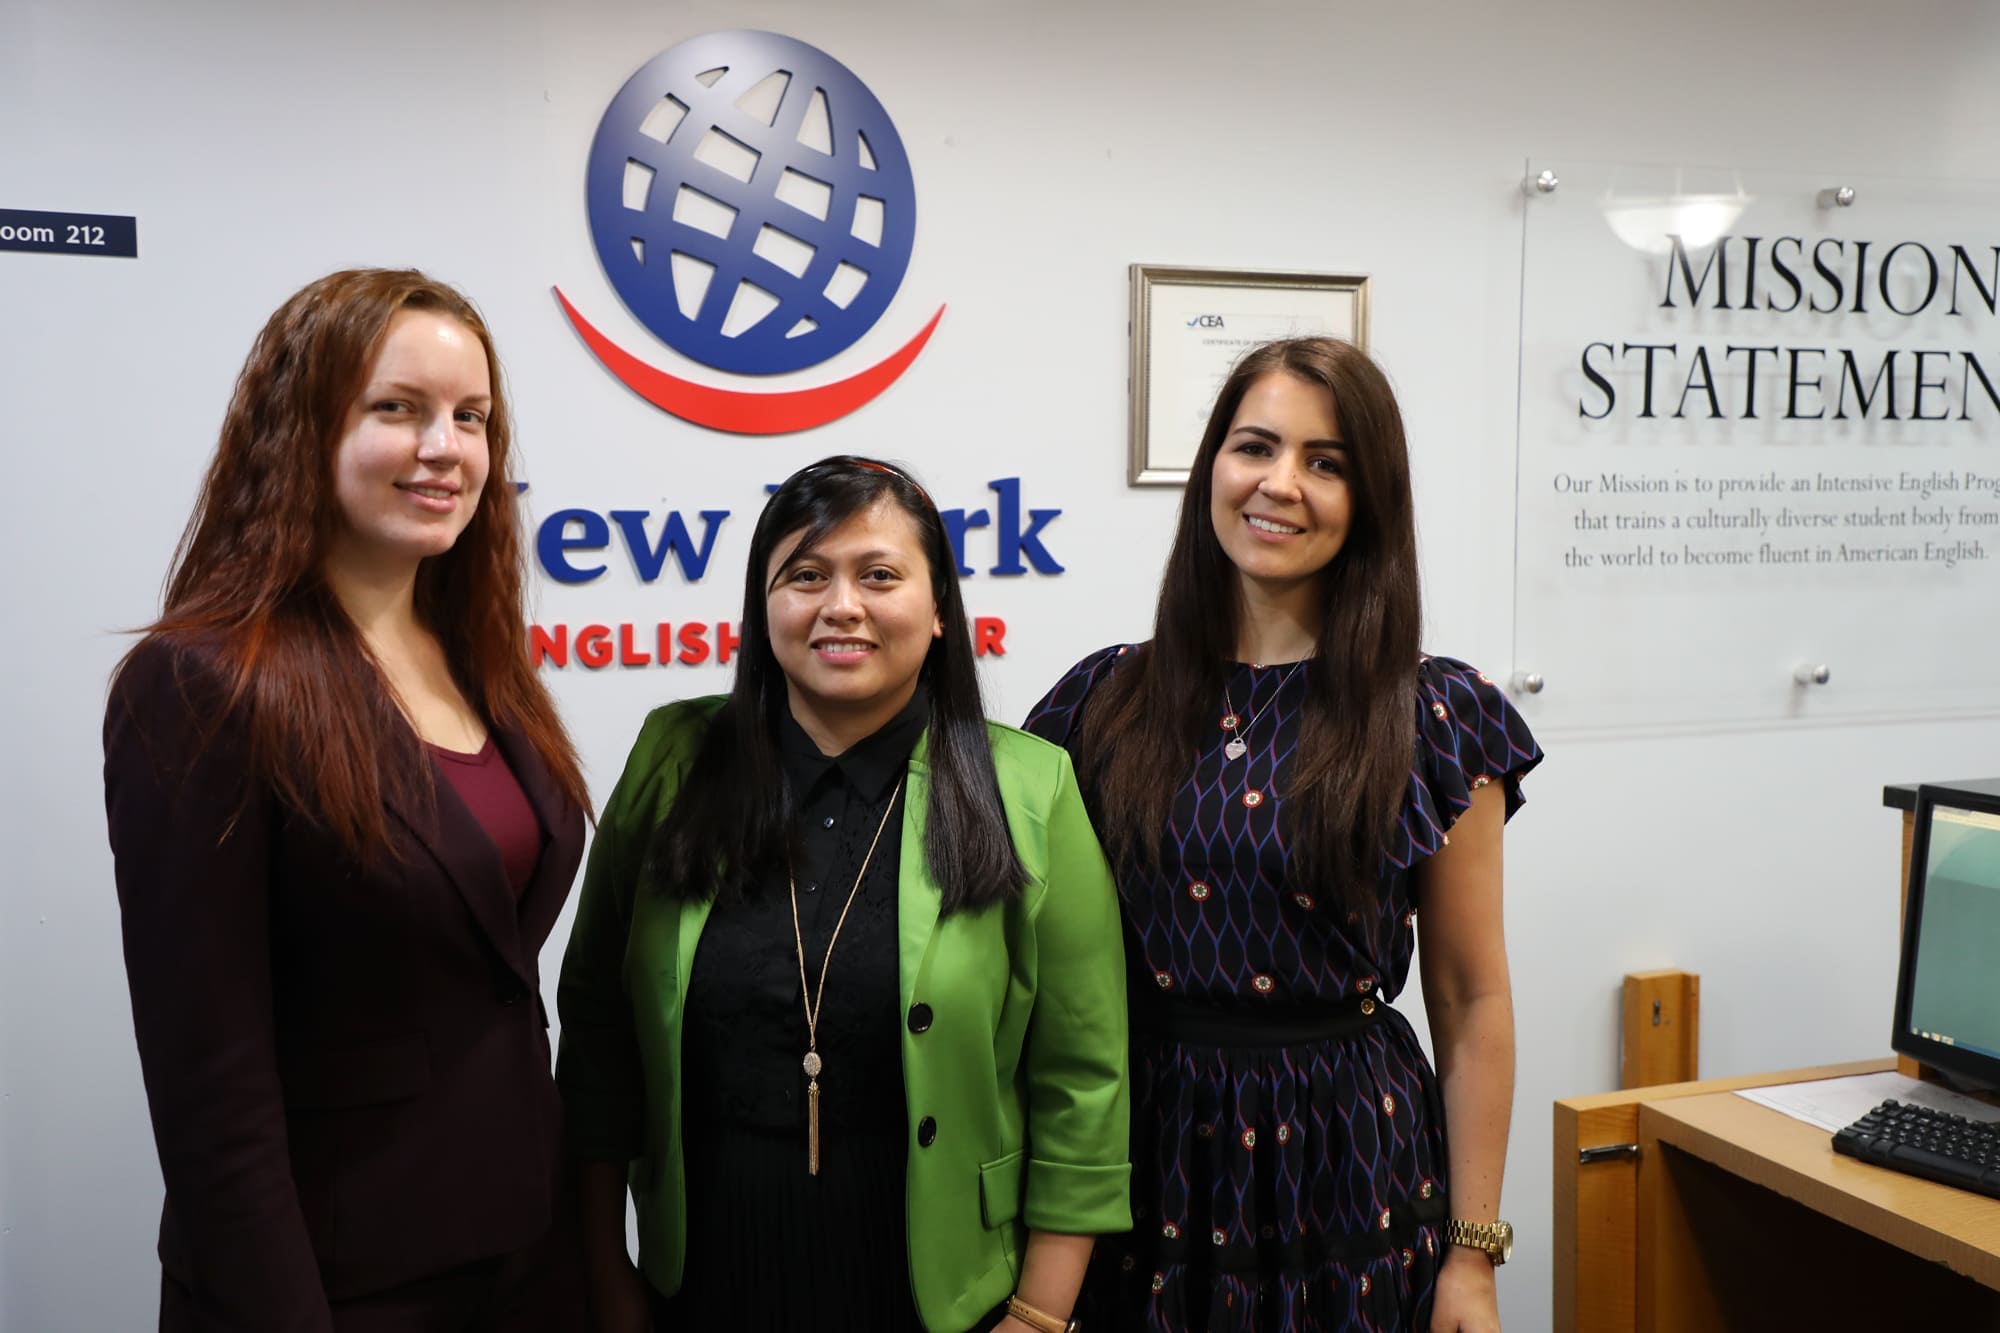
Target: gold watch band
{"x":1039,"y":1319}
{"x":1495,"y":1240}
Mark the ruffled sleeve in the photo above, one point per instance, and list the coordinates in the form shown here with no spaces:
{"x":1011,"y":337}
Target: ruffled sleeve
{"x":1468,"y":735}
{"x":1059,"y":716}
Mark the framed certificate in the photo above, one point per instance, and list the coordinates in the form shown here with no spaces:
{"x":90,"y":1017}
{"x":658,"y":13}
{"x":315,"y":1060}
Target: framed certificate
{"x":1189,"y":328}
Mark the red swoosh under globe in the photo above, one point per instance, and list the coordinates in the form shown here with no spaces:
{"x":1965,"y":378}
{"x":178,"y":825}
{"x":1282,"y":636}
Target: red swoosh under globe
{"x":747,"y":413}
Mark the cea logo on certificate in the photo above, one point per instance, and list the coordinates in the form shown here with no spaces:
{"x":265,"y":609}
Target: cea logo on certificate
{"x":752,"y":206}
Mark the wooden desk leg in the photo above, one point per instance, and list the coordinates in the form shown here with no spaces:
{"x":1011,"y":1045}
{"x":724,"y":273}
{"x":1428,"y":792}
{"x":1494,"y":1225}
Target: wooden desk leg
{"x":1596,"y":1205}
{"x":1673,"y":1290}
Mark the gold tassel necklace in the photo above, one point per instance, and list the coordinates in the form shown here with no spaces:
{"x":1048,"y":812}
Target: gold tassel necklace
{"x":815,"y":1001}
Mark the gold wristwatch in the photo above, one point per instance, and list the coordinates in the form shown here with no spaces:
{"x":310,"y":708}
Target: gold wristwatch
{"x":1495,"y":1240}
{"x":1040,"y":1319}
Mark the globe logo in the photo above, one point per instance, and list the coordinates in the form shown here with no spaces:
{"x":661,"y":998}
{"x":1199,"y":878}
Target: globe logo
{"x":751,"y":202}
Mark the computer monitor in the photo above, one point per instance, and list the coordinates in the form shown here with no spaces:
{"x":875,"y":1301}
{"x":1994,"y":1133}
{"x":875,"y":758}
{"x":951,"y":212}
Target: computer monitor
{"x":1948,"y":986}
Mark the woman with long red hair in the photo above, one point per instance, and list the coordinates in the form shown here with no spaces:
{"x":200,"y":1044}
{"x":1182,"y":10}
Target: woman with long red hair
{"x":345,"y":816}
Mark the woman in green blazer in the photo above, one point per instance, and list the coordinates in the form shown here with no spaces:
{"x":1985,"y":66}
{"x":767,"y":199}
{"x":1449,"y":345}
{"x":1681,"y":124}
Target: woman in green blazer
{"x":844,"y":1003}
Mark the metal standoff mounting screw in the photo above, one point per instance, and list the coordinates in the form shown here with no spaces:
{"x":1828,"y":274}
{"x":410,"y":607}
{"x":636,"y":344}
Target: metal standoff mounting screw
{"x":1839,"y":197}
{"x":1810,"y":673}
{"x":1528,"y":682}
{"x":1546,"y":182}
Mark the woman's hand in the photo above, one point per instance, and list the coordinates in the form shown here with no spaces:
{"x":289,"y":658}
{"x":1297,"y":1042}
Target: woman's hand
{"x":1467,"y":1300}
{"x":620,"y":1299}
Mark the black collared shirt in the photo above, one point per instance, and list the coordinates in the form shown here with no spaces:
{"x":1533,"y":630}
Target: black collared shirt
{"x":744,"y":1034}
{"x":771,"y":1247}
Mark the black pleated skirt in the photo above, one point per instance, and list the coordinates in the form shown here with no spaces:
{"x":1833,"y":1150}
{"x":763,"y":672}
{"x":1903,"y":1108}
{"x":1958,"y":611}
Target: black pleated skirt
{"x":773,"y":1248}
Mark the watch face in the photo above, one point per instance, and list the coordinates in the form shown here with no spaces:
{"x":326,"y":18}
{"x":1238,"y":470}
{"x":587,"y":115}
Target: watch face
{"x":1506,"y":1242}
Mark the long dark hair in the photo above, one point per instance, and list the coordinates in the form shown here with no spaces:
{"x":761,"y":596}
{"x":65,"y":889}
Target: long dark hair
{"x":1156,"y":712}
{"x":246,"y":580}
{"x":733,"y":824}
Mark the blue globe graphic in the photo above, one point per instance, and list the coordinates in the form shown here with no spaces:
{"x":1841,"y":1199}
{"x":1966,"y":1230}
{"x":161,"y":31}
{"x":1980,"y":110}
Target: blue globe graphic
{"x":751,"y":202}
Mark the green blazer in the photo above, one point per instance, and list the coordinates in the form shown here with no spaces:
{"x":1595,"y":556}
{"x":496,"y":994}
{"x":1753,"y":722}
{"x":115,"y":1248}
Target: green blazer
{"x":1022,"y":1070}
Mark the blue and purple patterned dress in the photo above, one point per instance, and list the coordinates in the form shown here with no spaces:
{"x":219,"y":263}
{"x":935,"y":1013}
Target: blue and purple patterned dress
{"x":1289,"y":1173}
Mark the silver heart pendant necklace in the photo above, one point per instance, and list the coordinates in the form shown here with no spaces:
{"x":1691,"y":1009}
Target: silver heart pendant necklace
{"x":1237,"y":747}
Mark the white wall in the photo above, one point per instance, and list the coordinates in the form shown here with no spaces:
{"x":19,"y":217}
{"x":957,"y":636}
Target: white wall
{"x":1052,"y":145}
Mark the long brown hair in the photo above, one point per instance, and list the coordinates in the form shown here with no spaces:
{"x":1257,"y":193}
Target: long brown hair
{"x":1156,"y":712}
{"x":246,"y":588}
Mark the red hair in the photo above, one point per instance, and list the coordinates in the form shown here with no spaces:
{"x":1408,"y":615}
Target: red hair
{"x":246,"y":580}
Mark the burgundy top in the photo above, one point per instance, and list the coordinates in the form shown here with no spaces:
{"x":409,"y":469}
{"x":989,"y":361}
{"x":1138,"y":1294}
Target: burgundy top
{"x":494,"y":796}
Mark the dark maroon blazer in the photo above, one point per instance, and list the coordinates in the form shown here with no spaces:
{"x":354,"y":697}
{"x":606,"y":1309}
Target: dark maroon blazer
{"x":347,"y":1066}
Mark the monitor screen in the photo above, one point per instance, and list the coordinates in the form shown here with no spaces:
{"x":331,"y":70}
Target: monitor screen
{"x":1948,"y":992}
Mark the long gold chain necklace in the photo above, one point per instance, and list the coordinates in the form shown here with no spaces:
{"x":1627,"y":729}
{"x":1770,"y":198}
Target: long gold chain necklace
{"x":816,"y":1000}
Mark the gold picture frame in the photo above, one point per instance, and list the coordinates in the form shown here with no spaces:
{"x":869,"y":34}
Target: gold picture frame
{"x":1191,"y":325}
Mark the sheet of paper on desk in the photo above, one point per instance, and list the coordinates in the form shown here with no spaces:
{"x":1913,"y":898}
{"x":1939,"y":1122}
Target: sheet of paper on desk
{"x":1835,"y":1103}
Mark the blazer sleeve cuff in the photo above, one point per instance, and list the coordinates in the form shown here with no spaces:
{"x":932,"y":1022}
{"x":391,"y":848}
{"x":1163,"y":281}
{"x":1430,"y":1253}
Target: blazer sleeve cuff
{"x":1078,"y":1200}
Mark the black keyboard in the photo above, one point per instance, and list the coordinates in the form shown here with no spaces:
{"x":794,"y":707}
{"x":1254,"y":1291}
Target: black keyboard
{"x":1918,"y":1141}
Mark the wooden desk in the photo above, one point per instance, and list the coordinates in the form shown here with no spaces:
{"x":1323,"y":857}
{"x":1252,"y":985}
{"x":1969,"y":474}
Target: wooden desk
{"x":1748,"y":1219}
{"x":1733,"y":1215}
{"x":1714,"y":1213}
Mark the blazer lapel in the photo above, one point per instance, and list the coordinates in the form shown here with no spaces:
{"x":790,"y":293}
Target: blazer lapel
{"x":917,"y":897}
{"x":454,"y":839}
{"x":688,"y":925}
{"x":541,"y":902}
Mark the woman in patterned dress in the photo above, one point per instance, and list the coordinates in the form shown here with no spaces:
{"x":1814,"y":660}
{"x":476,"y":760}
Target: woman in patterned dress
{"x":1326,"y":784}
